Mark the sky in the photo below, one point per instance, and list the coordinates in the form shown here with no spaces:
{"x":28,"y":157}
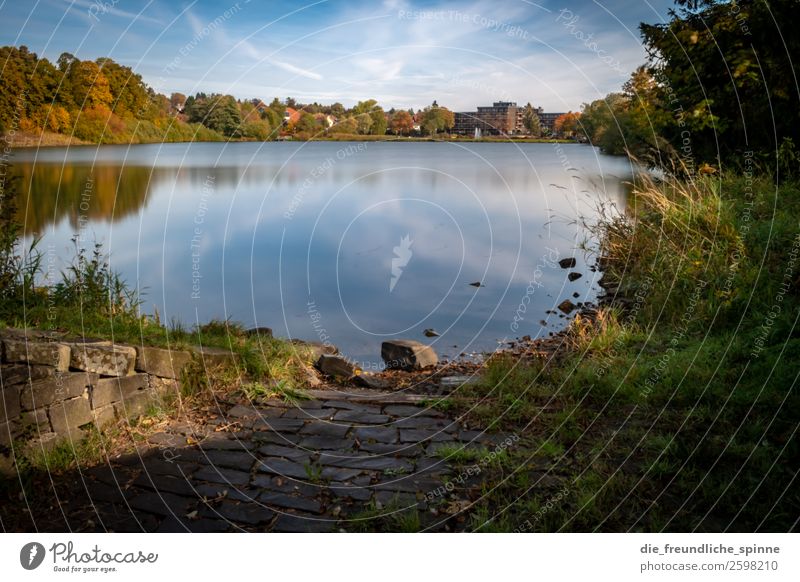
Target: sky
{"x":556,"y":54}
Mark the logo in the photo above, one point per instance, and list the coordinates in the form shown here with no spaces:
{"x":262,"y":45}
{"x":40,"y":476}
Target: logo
{"x":402,"y":254}
{"x":31,"y":555}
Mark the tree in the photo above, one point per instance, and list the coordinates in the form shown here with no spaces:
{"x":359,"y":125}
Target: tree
{"x":90,"y":87}
{"x":402,"y":123}
{"x":530,"y":119}
{"x":307,"y":124}
{"x":177,"y":101}
{"x":363,"y":123}
{"x":436,"y":119}
{"x":378,"y":122}
{"x":566,"y":124}
{"x":347,"y":125}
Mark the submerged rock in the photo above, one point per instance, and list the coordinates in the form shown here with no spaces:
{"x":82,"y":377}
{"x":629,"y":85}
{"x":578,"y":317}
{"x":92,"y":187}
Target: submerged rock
{"x":567,"y":263}
{"x":567,"y":306}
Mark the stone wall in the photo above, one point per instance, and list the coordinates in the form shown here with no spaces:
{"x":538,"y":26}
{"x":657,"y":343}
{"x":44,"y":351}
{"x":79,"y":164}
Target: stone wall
{"x":52,"y":388}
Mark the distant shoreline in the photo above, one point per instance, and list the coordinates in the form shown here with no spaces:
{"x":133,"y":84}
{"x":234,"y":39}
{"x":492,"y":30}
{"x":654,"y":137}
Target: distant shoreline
{"x":25,"y":141}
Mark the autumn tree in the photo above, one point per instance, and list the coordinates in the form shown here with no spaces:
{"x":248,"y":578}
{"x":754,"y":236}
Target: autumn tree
{"x":402,"y":123}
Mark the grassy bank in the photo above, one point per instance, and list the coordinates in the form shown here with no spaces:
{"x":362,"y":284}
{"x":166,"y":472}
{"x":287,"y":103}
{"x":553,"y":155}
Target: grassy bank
{"x":676,"y":409}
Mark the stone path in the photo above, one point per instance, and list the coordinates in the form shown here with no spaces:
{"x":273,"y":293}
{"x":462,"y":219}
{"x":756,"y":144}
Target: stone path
{"x":337,"y":462}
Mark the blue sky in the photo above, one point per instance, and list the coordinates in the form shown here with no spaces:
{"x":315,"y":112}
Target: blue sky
{"x":404,"y":53}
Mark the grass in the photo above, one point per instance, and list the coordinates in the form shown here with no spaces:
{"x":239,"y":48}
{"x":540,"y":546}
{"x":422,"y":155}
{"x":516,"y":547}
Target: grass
{"x":676,"y":411}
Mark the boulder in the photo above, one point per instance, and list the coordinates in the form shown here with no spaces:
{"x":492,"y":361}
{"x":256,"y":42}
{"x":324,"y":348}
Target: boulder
{"x":160,"y":362}
{"x":332,"y":365}
{"x":37,"y":353}
{"x":568,"y":263}
{"x":106,"y":360}
{"x":407,"y":355}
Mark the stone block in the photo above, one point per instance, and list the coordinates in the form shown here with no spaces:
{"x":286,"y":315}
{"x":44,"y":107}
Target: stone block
{"x":66,"y":417}
{"x":106,"y":360}
{"x":109,"y":390}
{"x":104,"y":415}
{"x":60,"y":386}
{"x":135,"y":404}
{"x":335,"y":366}
{"x":36,"y":420}
{"x":37,"y":353}
{"x":43,"y":443}
{"x":18,"y":374}
{"x":407,"y":355}
{"x":161,"y":362}
{"x":9,"y":431}
{"x":9,"y":404}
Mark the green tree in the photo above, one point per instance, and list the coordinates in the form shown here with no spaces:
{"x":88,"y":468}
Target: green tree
{"x":530,"y":119}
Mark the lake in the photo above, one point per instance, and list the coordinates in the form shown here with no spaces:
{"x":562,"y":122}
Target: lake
{"x":346,"y":242}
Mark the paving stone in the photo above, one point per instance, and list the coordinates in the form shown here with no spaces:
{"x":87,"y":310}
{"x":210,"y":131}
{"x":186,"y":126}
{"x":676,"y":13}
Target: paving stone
{"x":291,"y":453}
{"x":370,"y":463}
{"x":405,"y":450}
{"x":340,"y":474}
{"x":292,"y":523}
{"x":406,"y":410}
{"x":114,"y":476}
{"x":164,"y":363}
{"x":321,"y":443}
{"x":287,"y":485}
{"x":222,"y":442}
{"x":360,"y":417}
{"x":432,"y":465}
{"x":347,"y":405}
{"x":311,"y":414}
{"x":380,"y":434}
{"x":242,"y":461}
{"x":283,"y":438}
{"x":218,"y":475}
{"x":165,"y":439}
{"x":325,"y":429}
{"x":160,"y":503}
{"x":214,"y":490}
{"x":165,"y":484}
{"x":249,"y":513}
{"x":181,"y":524}
{"x":354,"y":492}
{"x":425,"y":422}
{"x":106,"y":360}
{"x":283,"y":468}
{"x":421,"y":436}
{"x":37,"y":353}
{"x":177,"y":465}
{"x":278,"y":424}
{"x":291,"y":502}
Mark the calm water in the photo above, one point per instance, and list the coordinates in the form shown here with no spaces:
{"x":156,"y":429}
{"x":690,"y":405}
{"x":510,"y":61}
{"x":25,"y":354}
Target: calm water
{"x":349,"y":242}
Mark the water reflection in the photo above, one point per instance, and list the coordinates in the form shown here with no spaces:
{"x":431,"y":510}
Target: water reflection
{"x":304,"y":237}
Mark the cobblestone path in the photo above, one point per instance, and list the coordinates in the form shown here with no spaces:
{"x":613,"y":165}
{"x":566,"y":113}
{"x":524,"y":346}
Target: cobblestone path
{"x":339,"y":462}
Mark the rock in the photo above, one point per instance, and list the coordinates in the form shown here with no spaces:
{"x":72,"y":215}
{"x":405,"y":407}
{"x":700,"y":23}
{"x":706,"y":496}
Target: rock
{"x":9,"y":431}
{"x":574,"y":276}
{"x":106,"y":360}
{"x":17,"y":374}
{"x":370,"y":381}
{"x":576,"y":295}
{"x":110,"y":390}
{"x":567,"y":306}
{"x":43,"y":443}
{"x":259,"y":332}
{"x":67,"y":416}
{"x":37,"y":353}
{"x":134,"y":404}
{"x":456,"y":381}
{"x":335,"y":366}
{"x":310,"y":376}
{"x":36,"y":420}
{"x":58,"y":387}
{"x":407,"y":355}
{"x":567,"y":263}
{"x":104,"y":415}
{"x":9,"y":404}
{"x":164,"y":363}
{"x":430,"y":332}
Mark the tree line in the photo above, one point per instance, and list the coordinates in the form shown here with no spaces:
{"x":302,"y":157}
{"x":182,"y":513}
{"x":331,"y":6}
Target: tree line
{"x":719,"y":84}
